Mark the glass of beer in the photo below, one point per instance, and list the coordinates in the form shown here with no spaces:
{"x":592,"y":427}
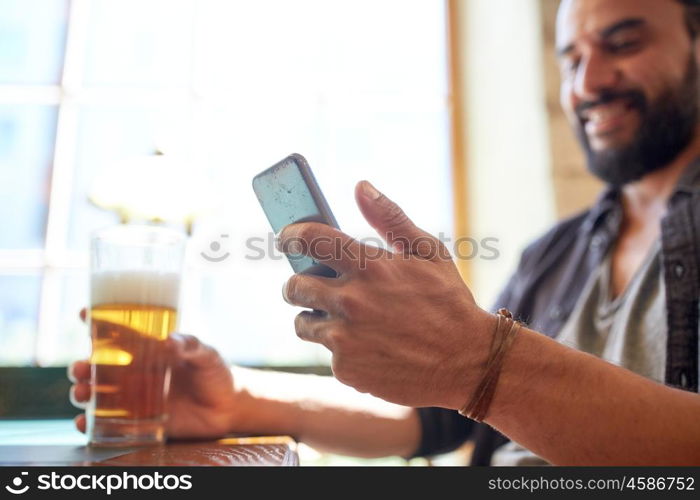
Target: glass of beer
{"x":134,"y":295}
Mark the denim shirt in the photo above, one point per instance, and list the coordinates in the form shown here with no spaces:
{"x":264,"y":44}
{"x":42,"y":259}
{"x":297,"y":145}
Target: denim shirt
{"x":550,"y":277}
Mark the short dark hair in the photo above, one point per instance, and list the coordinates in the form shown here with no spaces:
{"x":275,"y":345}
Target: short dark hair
{"x":692,"y":16}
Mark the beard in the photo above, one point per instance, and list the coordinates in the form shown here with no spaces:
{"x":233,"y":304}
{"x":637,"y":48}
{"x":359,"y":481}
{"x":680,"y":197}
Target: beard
{"x":667,"y":127}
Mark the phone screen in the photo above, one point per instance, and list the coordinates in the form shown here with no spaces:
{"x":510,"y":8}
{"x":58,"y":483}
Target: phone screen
{"x":289,"y":193}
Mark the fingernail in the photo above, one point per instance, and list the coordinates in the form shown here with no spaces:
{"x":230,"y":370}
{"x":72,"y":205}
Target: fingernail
{"x":284,"y":291}
{"x":73,"y":400}
{"x":370,"y":191}
{"x":176,"y":338}
{"x":278,"y":243}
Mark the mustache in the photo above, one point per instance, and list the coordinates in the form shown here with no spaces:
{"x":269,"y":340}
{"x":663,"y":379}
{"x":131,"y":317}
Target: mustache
{"x":636,"y":99}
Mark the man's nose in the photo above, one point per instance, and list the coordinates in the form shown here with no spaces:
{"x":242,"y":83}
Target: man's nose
{"x":595,"y":74}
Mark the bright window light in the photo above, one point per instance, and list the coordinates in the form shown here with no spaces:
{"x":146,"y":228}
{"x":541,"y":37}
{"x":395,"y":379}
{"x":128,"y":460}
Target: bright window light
{"x":220,"y":89}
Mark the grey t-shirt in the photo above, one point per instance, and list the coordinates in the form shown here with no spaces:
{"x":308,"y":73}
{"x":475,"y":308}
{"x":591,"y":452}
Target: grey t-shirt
{"x":629,"y":331}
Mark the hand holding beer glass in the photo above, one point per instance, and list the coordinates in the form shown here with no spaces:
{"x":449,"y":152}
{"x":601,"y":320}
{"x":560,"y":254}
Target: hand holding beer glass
{"x":134,"y":295}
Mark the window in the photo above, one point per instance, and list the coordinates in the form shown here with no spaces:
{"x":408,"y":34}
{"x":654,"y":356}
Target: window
{"x":91,"y":89}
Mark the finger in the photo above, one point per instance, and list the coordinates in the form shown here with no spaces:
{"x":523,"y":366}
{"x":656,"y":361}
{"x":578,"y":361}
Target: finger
{"x":392,"y":223}
{"x":190,"y":350}
{"x":324,"y":243}
{"x":314,"y":292}
{"x":80,"y":422}
{"x":79,"y":371}
{"x":83,"y":314}
{"x":314,"y":326}
{"x":79,"y":395}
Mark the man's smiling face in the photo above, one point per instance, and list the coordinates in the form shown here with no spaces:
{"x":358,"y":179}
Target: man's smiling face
{"x":629,"y":83}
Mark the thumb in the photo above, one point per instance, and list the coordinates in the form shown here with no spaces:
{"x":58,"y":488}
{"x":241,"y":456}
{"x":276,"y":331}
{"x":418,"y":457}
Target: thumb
{"x":392,"y":223}
{"x":190,"y":350}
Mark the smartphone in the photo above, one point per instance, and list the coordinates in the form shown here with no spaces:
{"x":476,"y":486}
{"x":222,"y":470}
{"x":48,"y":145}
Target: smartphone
{"x":288,"y":193}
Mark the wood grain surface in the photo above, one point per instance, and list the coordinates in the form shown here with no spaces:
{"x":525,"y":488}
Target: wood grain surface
{"x":230,"y":452}
{"x":264,"y":451}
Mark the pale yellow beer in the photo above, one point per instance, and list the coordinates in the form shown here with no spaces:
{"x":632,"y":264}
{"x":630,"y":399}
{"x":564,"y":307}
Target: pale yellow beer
{"x":129,"y":353}
{"x":132,"y":312}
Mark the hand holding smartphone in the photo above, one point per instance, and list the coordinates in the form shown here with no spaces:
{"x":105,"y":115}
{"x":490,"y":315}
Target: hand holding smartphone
{"x":288,"y":193}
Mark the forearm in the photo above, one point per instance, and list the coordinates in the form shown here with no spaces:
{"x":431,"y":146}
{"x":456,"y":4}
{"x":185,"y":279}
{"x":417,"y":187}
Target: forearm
{"x":572,"y":408}
{"x":325,"y":414}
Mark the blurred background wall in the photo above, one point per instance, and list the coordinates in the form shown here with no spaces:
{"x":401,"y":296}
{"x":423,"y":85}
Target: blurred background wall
{"x":525,"y":168}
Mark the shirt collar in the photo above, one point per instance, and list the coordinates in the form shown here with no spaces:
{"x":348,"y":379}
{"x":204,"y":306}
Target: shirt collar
{"x":610,"y":201}
{"x":689,"y":181}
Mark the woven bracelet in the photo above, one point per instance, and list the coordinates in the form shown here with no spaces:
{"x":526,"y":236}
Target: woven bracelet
{"x":504,"y":335}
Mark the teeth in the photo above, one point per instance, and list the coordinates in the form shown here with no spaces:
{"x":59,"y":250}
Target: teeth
{"x":604,"y":112}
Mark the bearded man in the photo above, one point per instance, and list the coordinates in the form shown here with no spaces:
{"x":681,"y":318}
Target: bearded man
{"x":605,"y":369}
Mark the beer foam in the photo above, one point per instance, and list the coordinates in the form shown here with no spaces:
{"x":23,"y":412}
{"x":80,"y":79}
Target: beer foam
{"x":135,"y":287}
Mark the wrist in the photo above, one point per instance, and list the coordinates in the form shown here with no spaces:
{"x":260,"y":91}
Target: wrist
{"x":262,"y":403}
{"x":478,"y":405}
{"x":241,"y":416}
{"x":478,"y":333}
